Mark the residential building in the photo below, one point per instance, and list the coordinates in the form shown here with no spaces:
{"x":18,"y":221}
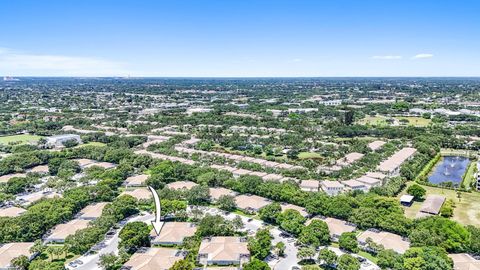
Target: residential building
{"x":10,"y":251}
{"x":182,"y":185}
{"x":386,"y":239}
{"x":464,"y":261}
{"x":431,"y":205}
{"x":216,"y":193}
{"x":332,"y":188}
{"x":391,"y":166}
{"x":154,"y":259}
{"x":92,"y":211}
{"x":59,"y":140}
{"x":11,"y":211}
{"x":251,"y":203}
{"x":310,"y":185}
{"x":223,"y":250}
{"x":139,"y":193}
{"x":136,"y":180}
{"x":173,"y":233}
{"x":62,"y":231}
{"x":336,"y":226}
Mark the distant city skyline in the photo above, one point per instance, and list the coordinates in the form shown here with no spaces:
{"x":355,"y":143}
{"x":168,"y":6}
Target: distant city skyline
{"x":240,"y":38}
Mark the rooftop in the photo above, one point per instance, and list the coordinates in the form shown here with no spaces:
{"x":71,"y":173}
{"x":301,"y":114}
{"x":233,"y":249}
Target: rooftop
{"x":187,"y":185}
{"x":386,"y":239}
{"x":10,"y":251}
{"x":61,"y":231}
{"x":11,"y":211}
{"x":92,"y":211}
{"x":155,"y":259}
{"x":251,"y":201}
{"x":174,"y":232}
{"x":227,"y":248}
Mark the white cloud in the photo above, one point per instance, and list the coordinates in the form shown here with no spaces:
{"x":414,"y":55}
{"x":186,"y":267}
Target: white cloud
{"x":296,"y":60}
{"x":423,"y":56}
{"x":387,"y":57}
{"x":27,"y":64}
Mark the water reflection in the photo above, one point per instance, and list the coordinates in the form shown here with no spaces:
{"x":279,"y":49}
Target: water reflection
{"x":449,"y":169}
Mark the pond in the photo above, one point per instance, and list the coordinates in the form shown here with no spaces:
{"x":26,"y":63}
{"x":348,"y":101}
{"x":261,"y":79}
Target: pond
{"x":449,"y":169}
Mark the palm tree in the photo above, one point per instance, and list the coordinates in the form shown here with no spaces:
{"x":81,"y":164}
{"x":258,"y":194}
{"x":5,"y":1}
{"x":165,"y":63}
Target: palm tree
{"x":21,"y":262}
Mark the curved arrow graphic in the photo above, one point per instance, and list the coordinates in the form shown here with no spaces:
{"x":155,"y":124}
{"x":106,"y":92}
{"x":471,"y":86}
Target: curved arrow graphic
{"x":157,"y":224}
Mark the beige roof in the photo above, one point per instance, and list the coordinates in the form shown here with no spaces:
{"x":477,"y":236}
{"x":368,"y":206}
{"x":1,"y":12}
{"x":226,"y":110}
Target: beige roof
{"x":40,"y":169}
{"x":353,"y":183}
{"x":369,"y":180}
{"x":10,"y":251}
{"x":335,"y":226}
{"x":301,"y":210}
{"x":388,"y":240}
{"x":155,"y":259}
{"x":182,"y":185}
{"x":393,"y":162}
{"x":377,"y":175}
{"x":36,"y":196}
{"x":11,"y":211}
{"x":174,"y":232}
{"x":5,"y":178}
{"x":92,"y":210}
{"x":349,"y":159}
{"x":241,"y":172}
{"x":272,"y":177}
{"x":139,"y":193}
{"x":251,"y":201}
{"x":376,"y":145}
{"x":61,"y":231}
{"x":105,"y":165}
{"x":223,"y":248}
{"x":463,"y":261}
{"x":432,"y":204}
{"x":332,"y":184}
{"x":310,"y":184}
{"x":136,"y":180}
{"x":84,"y":162}
{"x":216,"y":193}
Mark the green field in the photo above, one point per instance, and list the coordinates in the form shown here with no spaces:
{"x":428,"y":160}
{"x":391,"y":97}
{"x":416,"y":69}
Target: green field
{"x":416,"y":121}
{"x":381,"y":120}
{"x":307,"y":155}
{"x":91,"y":144}
{"x":21,"y":139}
{"x":467,"y":207}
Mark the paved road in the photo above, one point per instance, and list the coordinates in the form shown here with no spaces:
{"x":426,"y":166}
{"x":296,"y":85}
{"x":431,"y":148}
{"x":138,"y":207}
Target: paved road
{"x":90,"y":262}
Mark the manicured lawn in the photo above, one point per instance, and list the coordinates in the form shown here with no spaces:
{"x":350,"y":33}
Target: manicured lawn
{"x":22,"y":138}
{"x":91,"y":144}
{"x":467,"y":207}
{"x":416,"y":121}
{"x":373,"y":120}
{"x":469,"y":175}
{"x":307,"y":155}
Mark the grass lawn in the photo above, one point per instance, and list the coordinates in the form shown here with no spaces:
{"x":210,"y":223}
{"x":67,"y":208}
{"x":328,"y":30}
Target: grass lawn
{"x":373,"y":120}
{"x":307,"y":155}
{"x":467,"y":207}
{"x":91,"y":144}
{"x":22,"y":138}
{"x":416,"y":121}
{"x":469,"y":175}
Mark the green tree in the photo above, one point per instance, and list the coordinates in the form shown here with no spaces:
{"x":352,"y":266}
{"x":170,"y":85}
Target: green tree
{"x":109,"y":261}
{"x":348,"y":262}
{"x":184,"y":264}
{"x":316,"y":234}
{"x":389,"y":259}
{"x":280,"y":249}
{"x":270,"y":212}
{"x":348,"y":241}
{"x":256,"y":264}
{"x":21,"y":262}
{"x":261,"y":244}
{"x":306,"y":253}
{"x":416,"y":191}
{"x":134,"y":235}
{"x":327,"y":257}
{"x":227,"y":203}
{"x":427,"y":258}
{"x":291,"y":221}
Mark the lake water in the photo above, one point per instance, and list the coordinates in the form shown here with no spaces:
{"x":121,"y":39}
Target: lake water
{"x":449,"y":169}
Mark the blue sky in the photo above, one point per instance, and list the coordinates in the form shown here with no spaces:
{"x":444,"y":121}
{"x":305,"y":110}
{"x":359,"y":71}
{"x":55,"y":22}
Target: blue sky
{"x":240,"y":38}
